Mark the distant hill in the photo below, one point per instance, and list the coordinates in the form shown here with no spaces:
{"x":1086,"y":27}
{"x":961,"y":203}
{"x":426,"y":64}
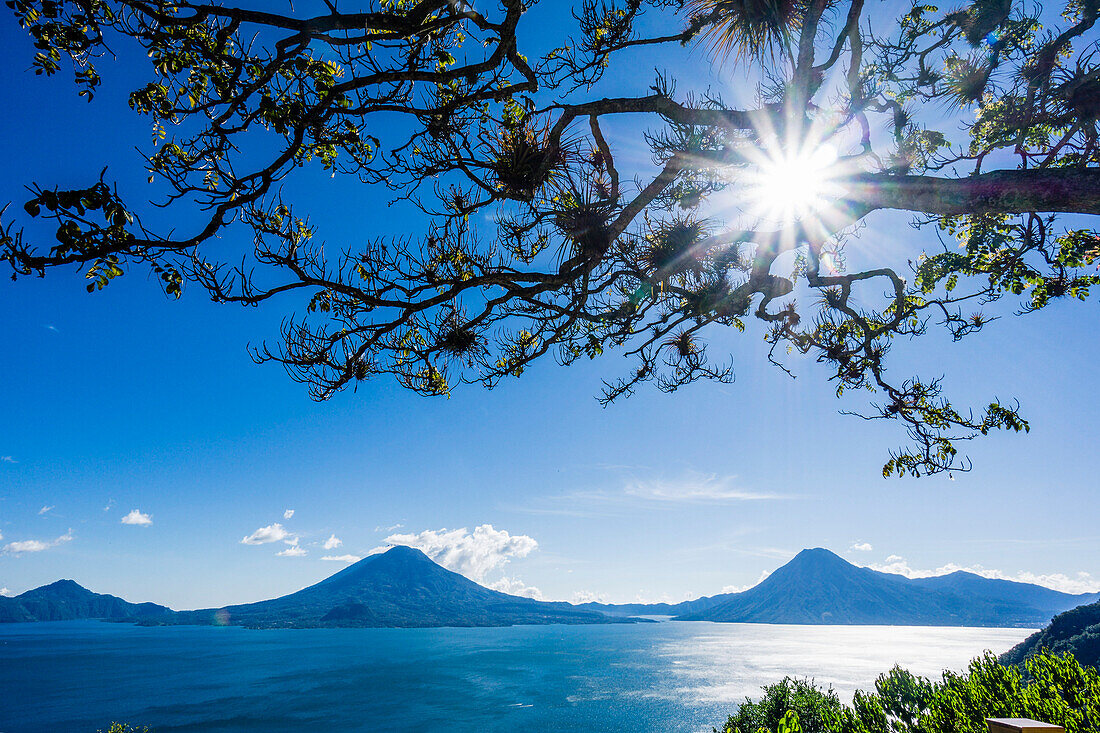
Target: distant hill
{"x":1076,"y":631}
{"x":658,"y":609}
{"x":819,"y":587}
{"x":400,"y":587}
{"x":404,"y":588}
{"x":67,"y":600}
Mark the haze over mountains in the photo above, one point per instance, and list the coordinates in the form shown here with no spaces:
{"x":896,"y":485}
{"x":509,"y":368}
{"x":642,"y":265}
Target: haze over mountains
{"x":402,"y":587}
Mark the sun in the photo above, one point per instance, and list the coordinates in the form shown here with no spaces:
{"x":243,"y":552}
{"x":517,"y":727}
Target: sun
{"x":789,"y":186}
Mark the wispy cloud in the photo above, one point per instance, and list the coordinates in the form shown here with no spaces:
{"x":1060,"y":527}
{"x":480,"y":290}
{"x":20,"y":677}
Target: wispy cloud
{"x":633,"y":493}
{"x":6,"y":593}
{"x":44,"y":509}
{"x":271,"y":533}
{"x":288,"y":514}
{"x":1081,"y":582}
{"x":138,"y":518}
{"x":741,"y":588}
{"x":342,"y":558}
{"x":110,"y":503}
{"x":23,"y":546}
{"x":695,"y":487}
{"x":293,"y":551}
{"x":391,"y":528}
{"x":861,"y":547}
{"x":51,"y":327}
{"x":586,"y":596}
{"x":516,"y":587}
{"x":332,"y":542}
{"x":8,"y":459}
{"x":473,"y":554}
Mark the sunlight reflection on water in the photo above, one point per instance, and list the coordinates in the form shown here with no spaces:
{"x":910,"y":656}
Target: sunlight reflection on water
{"x":672,"y":677}
{"x":729,"y":661}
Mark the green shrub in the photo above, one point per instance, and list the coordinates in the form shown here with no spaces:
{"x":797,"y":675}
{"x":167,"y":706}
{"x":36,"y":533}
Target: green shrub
{"x":1057,"y":689}
{"x":816,"y":709}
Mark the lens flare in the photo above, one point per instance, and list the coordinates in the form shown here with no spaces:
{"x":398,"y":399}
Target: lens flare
{"x":792,"y":186}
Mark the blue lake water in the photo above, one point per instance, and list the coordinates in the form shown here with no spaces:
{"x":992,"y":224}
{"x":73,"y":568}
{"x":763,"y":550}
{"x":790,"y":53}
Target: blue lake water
{"x":673,"y":676}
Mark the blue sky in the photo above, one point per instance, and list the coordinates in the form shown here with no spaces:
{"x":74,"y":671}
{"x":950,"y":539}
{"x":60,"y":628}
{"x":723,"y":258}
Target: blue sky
{"x":123,"y":401}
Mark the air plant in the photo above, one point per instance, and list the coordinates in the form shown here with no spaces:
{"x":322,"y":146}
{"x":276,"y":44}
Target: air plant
{"x":583,"y":213}
{"x":524,"y":158}
{"x":1079,"y":95}
{"x":982,"y":18}
{"x":902,"y":119}
{"x":683,"y":343}
{"x":457,"y":339}
{"x":712,"y":297}
{"x":1039,"y":65}
{"x":747,"y":27}
{"x":966,"y":80}
{"x":726,"y":257}
{"x":675,"y":248}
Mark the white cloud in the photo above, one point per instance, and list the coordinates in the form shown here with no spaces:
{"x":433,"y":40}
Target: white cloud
{"x":8,"y":459}
{"x":137,"y":518}
{"x":6,"y":593}
{"x":1082,"y":582}
{"x":693,"y":487}
{"x":861,"y":547}
{"x":473,"y":554}
{"x":332,"y":542}
{"x":516,"y":587}
{"x":18,"y":548}
{"x":391,"y":528}
{"x":292,"y":551}
{"x":271,"y":533}
{"x":27,"y":546}
{"x":342,"y":558}
{"x":288,"y":514}
{"x":44,"y":509}
{"x":741,"y":588}
{"x":586,"y":596}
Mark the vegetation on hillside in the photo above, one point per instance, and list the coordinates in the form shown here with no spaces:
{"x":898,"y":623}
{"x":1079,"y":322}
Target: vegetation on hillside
{"x":1055,"y":689}
{"x":1076,"y":631}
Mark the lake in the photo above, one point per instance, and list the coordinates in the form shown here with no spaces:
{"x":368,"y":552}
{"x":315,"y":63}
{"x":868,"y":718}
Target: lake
{"x":672,"y":676}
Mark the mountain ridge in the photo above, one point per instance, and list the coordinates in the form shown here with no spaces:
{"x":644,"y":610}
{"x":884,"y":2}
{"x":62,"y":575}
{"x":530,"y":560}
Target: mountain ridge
{"x":819,"y":587}
{"x":403,"y":587}
{"x":67,"y":600}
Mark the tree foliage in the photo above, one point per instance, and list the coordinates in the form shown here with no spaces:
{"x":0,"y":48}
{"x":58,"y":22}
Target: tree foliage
{"x":542,"y":235}
{"x":1055,"y":689}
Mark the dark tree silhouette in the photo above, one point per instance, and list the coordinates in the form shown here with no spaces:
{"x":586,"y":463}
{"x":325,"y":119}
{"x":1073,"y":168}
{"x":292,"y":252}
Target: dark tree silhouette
{"x":981,"y":120}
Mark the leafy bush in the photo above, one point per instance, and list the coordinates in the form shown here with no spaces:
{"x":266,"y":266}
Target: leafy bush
{"x":816,"y":709}
{"x":1056,"y":689}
